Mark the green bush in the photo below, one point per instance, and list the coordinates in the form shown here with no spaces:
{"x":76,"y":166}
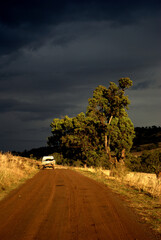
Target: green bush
{"x":92,"y":159}
{"x":58,"y":158}
{"x":151,"y":161}
{"x":98,"y":159}
{"x":133,"y":163}
{"x":104,"y":161}
{"x":78,"y":163}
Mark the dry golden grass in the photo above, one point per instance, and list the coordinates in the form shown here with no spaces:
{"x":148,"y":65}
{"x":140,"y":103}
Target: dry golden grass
{"x":144,"y":182}
{"x":14,"y":170}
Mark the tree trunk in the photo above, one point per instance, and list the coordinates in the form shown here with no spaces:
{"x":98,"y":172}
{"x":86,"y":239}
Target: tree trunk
{"x":110,"y":120}
{"x":122,"y":156}
{"x":107,"y":143}
{"x":107,"y":148}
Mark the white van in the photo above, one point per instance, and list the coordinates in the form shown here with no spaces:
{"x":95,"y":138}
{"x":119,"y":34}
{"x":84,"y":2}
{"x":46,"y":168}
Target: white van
{"x":48,"y":161}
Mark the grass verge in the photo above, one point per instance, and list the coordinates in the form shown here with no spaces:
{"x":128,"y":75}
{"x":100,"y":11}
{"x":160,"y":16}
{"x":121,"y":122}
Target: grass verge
{"x":148,"y":207}
{"x":14,"y":170}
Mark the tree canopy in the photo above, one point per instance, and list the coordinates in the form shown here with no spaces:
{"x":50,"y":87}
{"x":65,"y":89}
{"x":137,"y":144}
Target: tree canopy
{"x":109,"y":103}
{"x":104,"y":129}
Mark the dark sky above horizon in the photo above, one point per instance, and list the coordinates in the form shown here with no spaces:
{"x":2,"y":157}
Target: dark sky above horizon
{"x":53,"y":54}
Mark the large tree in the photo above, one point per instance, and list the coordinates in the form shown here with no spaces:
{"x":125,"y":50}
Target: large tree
{"x":109,"y":103}
{"x":105,"y":127}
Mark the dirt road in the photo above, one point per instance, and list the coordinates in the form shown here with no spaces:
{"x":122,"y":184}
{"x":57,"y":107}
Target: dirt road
{"x":64,"y":205}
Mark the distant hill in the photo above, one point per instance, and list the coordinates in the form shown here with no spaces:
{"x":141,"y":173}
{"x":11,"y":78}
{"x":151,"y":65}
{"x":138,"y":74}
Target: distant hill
{"x":147,"y":138}
{"x":36,"y":153}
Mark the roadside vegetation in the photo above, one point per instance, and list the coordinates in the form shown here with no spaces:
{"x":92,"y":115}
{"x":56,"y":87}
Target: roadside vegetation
{"x":14,"y":170}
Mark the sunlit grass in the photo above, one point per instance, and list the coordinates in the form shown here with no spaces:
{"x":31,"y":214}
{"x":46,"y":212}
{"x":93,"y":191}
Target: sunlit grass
{"x":13,"y":171}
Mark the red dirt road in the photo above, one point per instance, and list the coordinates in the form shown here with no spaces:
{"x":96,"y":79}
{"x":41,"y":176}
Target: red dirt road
{"x":64,"y":205}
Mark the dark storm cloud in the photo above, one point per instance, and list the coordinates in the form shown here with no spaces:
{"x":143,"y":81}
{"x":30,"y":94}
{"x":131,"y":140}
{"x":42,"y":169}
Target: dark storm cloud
{"x":143,"y":85}
{"x":14,"y":38}
{"x":34,"y":110}
{"x":7,"y":105}
{"x":54,"y":53}
{"x":29,"y":23}
{"x":96,"y":51}
{"x":36,"y":12}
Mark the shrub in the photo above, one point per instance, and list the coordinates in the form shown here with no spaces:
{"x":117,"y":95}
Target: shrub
{"x":58,"y":158}
{"x":133,"y":163}
{"x":151,"y":161}
{"x":77,"y":163}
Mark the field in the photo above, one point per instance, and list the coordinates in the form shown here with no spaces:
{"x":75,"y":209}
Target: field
{"x":14,"y":170}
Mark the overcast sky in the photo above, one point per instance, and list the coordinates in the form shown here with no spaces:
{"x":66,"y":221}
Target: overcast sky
{"x":53,"y":54}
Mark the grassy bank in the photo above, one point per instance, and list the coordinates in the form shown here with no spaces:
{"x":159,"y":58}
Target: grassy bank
{"x":14,"y":170}
{"x":147,"y":205}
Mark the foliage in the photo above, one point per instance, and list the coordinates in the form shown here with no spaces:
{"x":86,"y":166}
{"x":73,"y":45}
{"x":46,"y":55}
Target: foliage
{"x":149,"y":162}
{"x":133,"y":163}
{"x":77,"y":163}
{"x":58,"y":157}
{"x":122,"y":133}
{"x":110,"y":104}
{"x":83,"y":137}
